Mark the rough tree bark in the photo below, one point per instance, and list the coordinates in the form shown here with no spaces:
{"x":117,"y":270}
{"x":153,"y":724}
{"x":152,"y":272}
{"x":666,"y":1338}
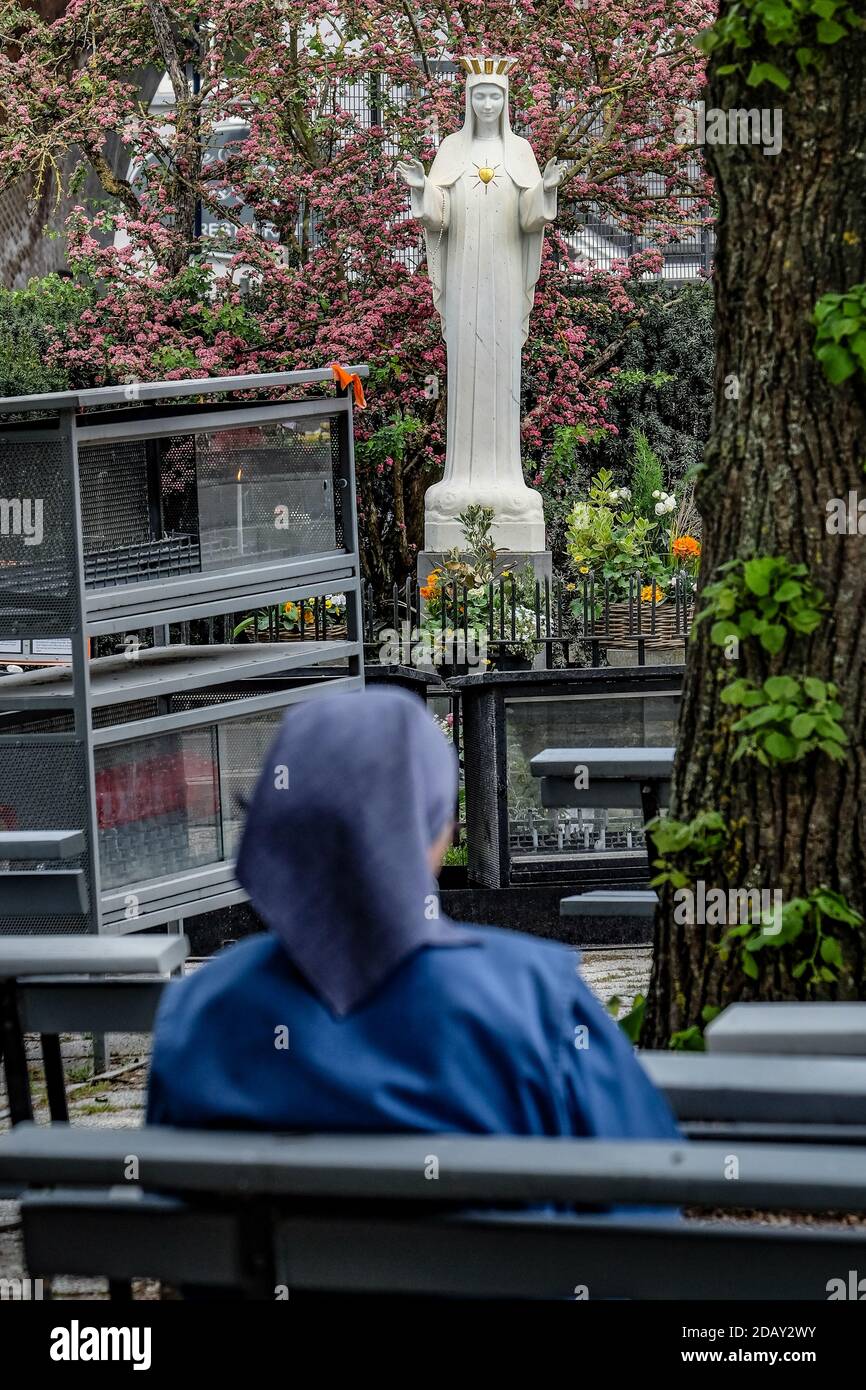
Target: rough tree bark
{"x":791,"y":228}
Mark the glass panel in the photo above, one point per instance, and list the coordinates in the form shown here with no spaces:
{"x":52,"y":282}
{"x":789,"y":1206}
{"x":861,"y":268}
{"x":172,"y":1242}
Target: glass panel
{"x":647,"y":721}
{"x":243,"y":744}
{"x":157,"y":803}
{"x":265,"y":492}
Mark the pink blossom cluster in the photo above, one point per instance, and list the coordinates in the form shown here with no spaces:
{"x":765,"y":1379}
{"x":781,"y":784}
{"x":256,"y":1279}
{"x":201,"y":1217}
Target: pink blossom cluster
{"x":306,"y":252}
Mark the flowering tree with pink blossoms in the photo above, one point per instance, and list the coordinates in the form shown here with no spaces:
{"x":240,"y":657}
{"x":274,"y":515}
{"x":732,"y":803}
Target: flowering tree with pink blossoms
{"x":296,"y":247}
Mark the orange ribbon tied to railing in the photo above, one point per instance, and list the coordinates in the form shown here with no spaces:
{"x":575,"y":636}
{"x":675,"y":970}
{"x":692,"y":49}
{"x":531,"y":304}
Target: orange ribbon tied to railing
{"x":347,"y":379}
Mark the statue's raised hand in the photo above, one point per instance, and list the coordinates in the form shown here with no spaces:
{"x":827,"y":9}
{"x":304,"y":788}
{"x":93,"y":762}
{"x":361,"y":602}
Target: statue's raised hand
{"x":553,"y":174}
{"x":411,"y":171}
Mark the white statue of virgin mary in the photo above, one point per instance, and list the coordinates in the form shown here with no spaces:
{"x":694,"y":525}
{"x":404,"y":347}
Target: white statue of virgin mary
{"x":484,"y":206}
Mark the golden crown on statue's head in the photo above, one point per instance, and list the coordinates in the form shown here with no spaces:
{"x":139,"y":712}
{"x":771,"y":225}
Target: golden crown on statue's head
{"x":487,"y":67}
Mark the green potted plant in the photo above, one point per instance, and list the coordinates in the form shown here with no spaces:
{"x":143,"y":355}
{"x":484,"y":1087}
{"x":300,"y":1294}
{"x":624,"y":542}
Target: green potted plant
{"x":631,"y":541}
{"x":465,"y":598}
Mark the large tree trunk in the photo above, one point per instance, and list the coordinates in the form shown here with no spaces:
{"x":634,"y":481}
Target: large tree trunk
{"x":792,"y":227}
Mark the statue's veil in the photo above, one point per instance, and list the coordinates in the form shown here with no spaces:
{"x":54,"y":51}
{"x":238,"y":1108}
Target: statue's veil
{"x":453,"y":158}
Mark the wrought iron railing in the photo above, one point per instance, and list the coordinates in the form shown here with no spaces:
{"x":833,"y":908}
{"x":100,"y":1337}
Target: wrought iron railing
{"x":553,"y":622}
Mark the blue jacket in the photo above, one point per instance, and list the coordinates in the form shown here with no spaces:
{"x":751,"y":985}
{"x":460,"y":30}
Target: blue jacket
{"x":497,"y":1037}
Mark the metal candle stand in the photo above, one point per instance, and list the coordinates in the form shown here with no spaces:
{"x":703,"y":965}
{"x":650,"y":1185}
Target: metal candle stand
{"x":158,"y":504}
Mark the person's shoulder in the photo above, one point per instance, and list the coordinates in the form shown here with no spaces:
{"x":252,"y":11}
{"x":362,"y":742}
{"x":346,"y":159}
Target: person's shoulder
{"x":516,"y":949}
{"x":504,"y":985}
{"x":229,"y":968}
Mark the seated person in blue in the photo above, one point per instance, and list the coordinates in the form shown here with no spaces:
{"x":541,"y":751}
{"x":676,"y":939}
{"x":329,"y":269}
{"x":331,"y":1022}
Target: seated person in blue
{"x":362,"y":1008}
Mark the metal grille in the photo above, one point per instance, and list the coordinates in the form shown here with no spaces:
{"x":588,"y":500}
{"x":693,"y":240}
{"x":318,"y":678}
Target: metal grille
{"x":177,"y":485}
{"x":20,"y":722}
{"x":136,"y":564}
{"x":109,"y":715}
{"x":124,"y":539}
{"x":569,"y":834}
{"x":43,"y":786}
{"x":337,"y":483}
{"x":115,"y":506}
{"x":38,"y":594}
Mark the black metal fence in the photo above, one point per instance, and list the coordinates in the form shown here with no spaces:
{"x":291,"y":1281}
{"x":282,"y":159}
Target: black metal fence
{"x":551,"y":623}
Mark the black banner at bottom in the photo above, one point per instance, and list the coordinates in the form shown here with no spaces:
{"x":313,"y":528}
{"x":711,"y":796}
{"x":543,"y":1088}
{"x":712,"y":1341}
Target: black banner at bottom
{"x":83,"y":1339}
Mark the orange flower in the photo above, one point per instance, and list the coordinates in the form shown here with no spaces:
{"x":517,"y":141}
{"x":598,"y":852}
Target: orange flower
{"x":686,"y":548}
{"x":426,"y":591}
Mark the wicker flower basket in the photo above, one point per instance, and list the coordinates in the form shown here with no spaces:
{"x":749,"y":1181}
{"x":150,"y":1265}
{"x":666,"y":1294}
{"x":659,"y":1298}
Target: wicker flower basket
{"x":335,"y":632}
{"x":658,"y":629}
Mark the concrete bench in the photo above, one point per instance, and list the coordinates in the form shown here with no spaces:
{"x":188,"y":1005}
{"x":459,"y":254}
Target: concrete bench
{"x":790,"y":1029}
{"x":621,"y":778}
{"x":59,"y":984}
{"x":789,"y":1100}
{"x":427,"y":1214}
{"x":33,"y":893}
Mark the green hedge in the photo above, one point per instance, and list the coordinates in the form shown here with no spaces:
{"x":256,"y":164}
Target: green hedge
{"x":28,"y":320}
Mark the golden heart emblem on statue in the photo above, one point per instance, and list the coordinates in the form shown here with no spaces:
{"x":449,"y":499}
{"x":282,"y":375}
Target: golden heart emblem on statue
{"x":486,"y":175}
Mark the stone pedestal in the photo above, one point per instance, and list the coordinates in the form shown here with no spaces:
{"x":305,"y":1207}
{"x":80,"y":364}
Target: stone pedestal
{"x":516,"y":536}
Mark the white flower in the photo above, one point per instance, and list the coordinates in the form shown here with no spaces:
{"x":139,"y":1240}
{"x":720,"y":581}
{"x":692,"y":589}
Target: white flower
{"x":625,"y":492}
{"x":659,"y":508}
{"x":656,"y":494}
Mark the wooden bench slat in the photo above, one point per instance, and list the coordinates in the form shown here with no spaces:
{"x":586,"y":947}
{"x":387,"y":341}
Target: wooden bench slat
{"x":505,"y":1255}
{"x":705,"y":1086}
{"x":617,"y":794}
{"x":833,"y":1029}
{"x":103,"y":1235}
{"x":25,"y":955}
{"x":41,"y":844}
{"x":490,"y":1169}
{"x":88,"y":1006}
{"x":35,"y":893}
{"x":518,"y":1256}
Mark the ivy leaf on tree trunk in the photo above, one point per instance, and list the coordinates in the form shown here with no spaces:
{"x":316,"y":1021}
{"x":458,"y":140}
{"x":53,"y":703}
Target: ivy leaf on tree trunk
{"x":784,"y":442}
